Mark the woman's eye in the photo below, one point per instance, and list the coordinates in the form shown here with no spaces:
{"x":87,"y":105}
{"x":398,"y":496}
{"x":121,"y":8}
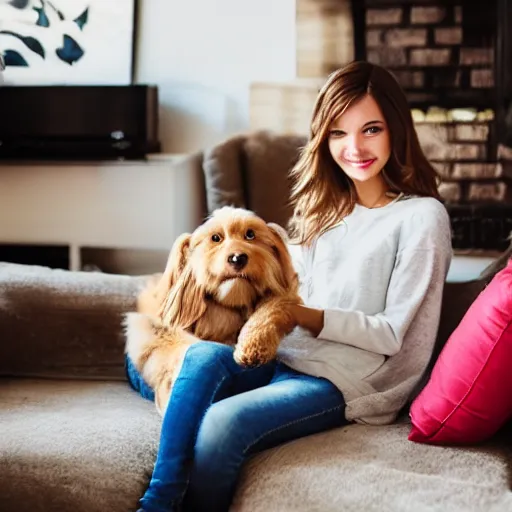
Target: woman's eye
{"x":373,"y":130}
{"x":336,"y":133}
{"x":250,"y":235}
{"x":216,"y":238}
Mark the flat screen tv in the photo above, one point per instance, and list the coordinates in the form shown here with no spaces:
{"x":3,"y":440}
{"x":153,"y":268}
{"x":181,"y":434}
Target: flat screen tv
{"x":80,"y":122}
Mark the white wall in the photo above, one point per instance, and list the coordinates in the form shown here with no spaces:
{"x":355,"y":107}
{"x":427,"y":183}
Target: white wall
{"x":203,"y":55}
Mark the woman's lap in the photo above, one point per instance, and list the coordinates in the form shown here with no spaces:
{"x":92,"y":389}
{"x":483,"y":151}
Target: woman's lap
{"x":246,"y":411}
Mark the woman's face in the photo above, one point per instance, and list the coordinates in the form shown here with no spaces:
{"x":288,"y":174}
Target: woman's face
{"x":359,"y":141}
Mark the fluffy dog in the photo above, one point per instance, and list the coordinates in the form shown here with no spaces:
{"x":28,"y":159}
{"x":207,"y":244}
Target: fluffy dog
{"x":230,"y":282}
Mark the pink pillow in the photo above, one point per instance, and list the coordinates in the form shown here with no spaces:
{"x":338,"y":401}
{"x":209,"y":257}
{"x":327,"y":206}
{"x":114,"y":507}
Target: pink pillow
{"x":469,"y":394}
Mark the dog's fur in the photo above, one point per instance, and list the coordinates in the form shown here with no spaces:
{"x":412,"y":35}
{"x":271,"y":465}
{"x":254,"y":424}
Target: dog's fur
{"x":230,"y":281}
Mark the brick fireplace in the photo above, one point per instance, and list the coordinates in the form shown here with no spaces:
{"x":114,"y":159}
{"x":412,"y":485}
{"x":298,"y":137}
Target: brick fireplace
{"x":437,"y":55}
{"x":451,"y":57}
{"x":444,"y":55}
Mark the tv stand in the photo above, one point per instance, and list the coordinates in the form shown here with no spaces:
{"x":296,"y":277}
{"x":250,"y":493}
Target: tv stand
{"x":129,"y":211}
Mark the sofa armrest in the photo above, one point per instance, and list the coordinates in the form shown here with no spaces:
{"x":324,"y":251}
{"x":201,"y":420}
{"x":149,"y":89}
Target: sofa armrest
{"x":61,"y":323}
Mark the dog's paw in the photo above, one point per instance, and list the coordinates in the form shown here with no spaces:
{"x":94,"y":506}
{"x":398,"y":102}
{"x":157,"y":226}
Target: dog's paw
{"x":254,"y":349}
{"x":252,"y":358}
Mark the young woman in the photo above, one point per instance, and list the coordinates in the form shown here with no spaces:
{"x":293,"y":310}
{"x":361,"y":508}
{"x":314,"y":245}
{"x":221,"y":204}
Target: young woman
{"x":373,"y":250}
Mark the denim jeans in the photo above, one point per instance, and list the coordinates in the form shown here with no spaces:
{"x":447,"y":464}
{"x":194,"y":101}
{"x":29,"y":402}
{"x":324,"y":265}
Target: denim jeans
{"x":219,"y":414}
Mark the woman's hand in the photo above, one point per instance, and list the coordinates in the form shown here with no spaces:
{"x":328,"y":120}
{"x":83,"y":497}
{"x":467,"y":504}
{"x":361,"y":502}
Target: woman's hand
{"x":308,"y":318}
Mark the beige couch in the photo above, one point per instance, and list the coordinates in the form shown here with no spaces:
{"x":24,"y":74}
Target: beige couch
{"x":75,"y":438}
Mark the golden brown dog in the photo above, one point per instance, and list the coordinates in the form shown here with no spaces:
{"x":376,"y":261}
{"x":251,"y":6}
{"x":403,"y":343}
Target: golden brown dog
{"x":229,"y":282}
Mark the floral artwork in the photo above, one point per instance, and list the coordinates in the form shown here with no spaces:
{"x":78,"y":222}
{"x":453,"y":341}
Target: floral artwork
{"x":67,"y":42}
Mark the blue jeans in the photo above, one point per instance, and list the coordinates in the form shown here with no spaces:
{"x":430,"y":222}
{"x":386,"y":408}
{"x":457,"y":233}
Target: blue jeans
{"x":219,"y":414}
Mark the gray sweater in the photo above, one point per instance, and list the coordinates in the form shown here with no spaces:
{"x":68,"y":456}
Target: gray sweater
{"x":379,"y":277}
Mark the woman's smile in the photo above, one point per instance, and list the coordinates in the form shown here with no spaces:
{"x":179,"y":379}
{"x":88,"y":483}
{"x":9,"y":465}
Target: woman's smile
{"x":361,"y":163}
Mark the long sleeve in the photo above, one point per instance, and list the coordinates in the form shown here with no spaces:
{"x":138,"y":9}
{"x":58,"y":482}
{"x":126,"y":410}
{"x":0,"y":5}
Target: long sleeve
{"x":379,"y":278}
{"x":297,"y":256}
{"x":416,"y":273}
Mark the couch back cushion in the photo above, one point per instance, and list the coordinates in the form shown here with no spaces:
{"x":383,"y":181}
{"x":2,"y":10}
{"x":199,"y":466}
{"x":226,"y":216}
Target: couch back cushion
{"x":58,"y":323}
{"x":222,"y":167}
{"x":252,"y":171}
{"x":269,"y":159}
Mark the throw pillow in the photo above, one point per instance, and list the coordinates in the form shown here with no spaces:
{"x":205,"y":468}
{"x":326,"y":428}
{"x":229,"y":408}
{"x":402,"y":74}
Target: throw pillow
{"x":469,"y":394}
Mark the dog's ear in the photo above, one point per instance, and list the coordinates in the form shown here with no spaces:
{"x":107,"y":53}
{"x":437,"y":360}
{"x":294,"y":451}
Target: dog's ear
{"x":185,"y":303}
{"x":279,"y":231}
{"x":280,"y":240}
{"x":177,"y":258}
{"x":176,"y":262}
{"x":153,"y":297}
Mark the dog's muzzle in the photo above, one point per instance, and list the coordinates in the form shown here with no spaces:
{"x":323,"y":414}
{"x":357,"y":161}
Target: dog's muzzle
{"x":238,"y":261}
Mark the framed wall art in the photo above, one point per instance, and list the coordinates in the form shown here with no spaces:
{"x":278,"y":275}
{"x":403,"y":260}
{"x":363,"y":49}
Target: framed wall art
{"x":67,"y":42}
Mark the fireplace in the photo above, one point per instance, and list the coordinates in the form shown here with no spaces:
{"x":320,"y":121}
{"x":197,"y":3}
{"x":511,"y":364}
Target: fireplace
{"x":452,"y":58}
{"x":448,"y":55}
{"x":442,"y":52}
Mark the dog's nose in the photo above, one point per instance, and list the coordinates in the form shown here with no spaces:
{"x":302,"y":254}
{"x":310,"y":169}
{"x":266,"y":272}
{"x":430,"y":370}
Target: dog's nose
{"x":238,"y":261}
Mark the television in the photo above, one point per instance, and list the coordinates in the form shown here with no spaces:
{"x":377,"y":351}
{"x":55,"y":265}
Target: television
{"x":78,"y":122}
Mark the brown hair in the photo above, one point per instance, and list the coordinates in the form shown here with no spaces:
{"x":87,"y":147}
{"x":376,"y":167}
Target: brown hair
{"x":322,"y":194}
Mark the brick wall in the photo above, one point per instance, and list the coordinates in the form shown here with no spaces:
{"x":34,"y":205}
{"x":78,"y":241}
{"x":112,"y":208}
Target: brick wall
{"x":434,"y":55}
{"x":462,"y":153}
{"x":443,"y":56}
{"x":325,"y":36}
{"x":440,"y":52}
{"x":283,"y":107}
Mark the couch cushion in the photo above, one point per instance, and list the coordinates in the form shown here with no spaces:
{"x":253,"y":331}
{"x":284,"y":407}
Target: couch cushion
{"x":252,"y":171}
{"x":58,"y":323}
{"x":469,"y":394}
{"x":222,"y":167}
{"x":269,"y":157}
{"x":73,"y":446}
{"x":375,"y":469}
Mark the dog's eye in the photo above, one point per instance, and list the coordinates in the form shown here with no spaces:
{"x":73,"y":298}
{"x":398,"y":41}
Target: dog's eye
{"x":250,"y":235}
{"x":216,"y":238}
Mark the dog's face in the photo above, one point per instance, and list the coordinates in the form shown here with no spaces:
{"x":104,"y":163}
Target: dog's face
{"x":234,"y":258}
{"x":237,"y":258}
